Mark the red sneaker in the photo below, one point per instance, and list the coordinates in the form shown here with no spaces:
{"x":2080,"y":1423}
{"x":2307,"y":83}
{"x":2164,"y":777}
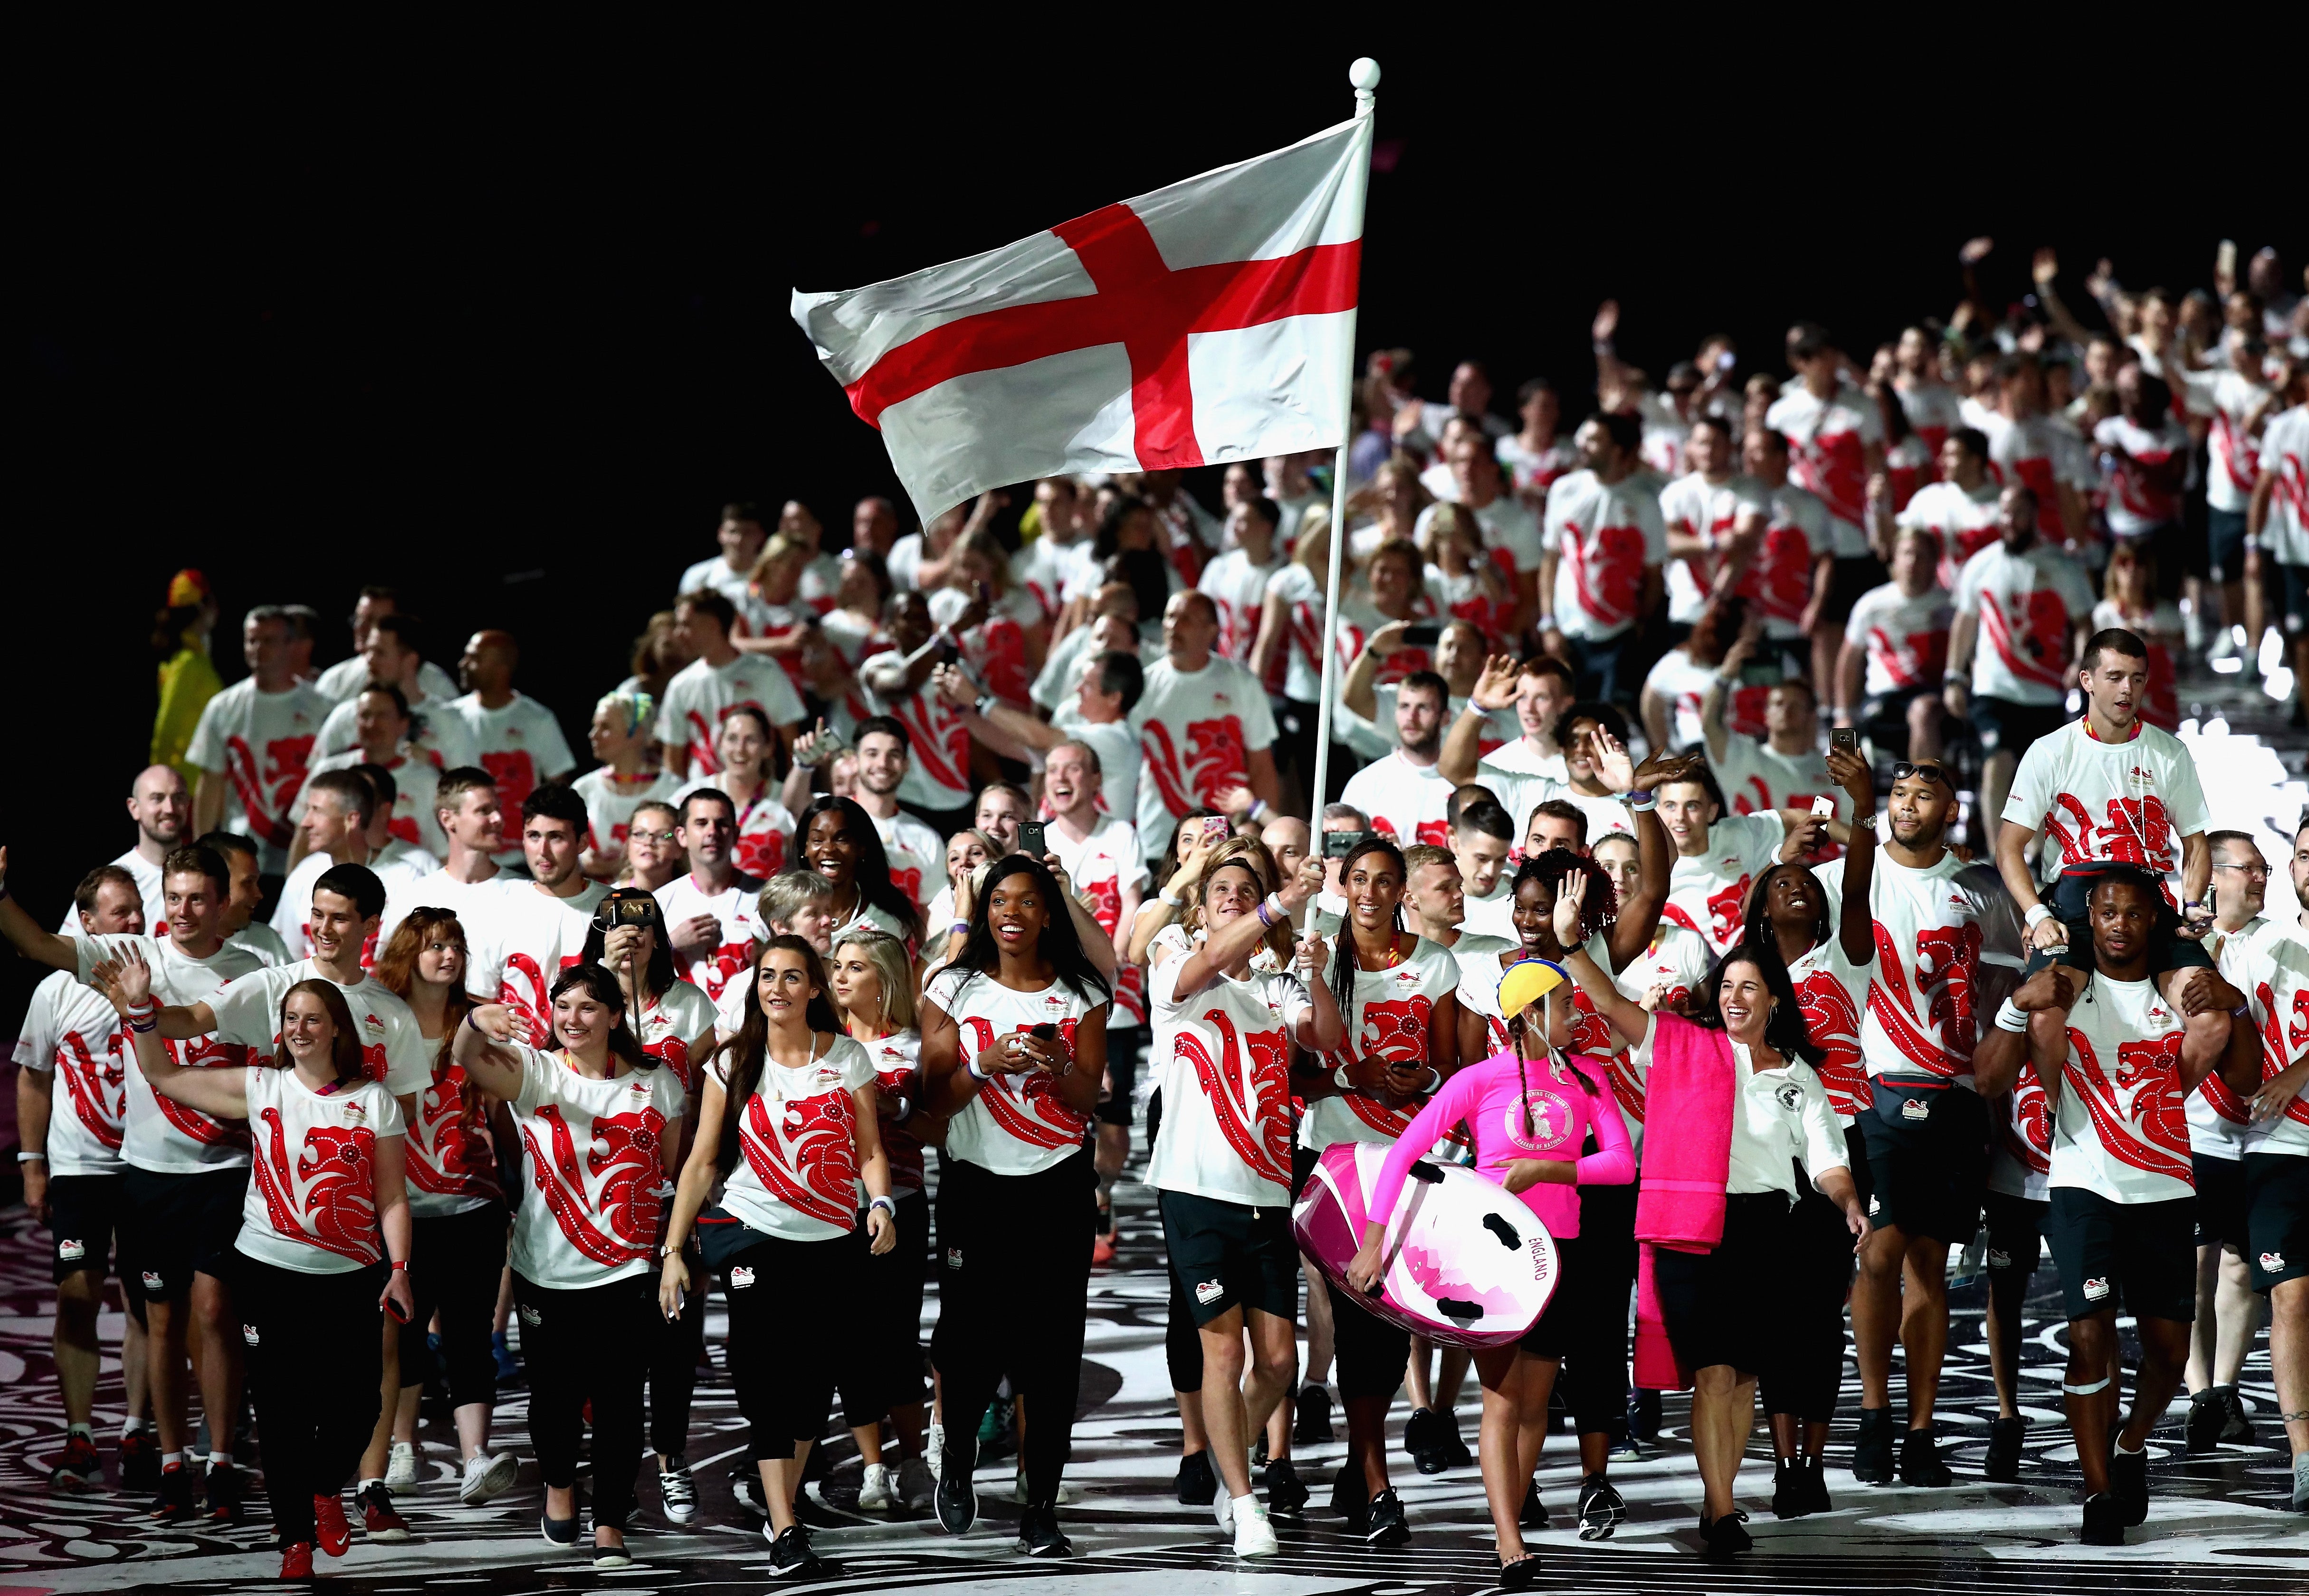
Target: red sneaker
{"x":81,"y":1470}
{"x":296,"y":1560}
{"x":1101,"y":1248}
{"x":329,"y":1525}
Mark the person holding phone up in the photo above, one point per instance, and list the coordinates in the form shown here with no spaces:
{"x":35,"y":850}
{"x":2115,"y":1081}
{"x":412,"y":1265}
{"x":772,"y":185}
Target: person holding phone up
{"x":326,"y":1210}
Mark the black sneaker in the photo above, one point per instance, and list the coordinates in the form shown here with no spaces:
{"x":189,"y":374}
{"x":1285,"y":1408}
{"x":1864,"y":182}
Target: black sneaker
{"x":1286,"y":1494}
{"x":1601,"y":1509}
{"x":1347,"y":1498}
{"x":2004,"y":1438}
{"x":2235,"y":1428}
{"x":1728,"y":1536}
{"x":224,"y":1491}
{"x":1644,"y":1415}
{"x":791,"y":1557}
{"x":1199,"y":1482}
{"x":1871,"y":1453}
{"x":2207,"y":1414}
{"x":1533,"y":1515}
{"x":140,"y":1461}
{"x":2104,"y":1522}
{"x":997,"y":1432}
{"x":1039,"y":1535}
{"x":1311,"y":1421}
{"x":1424,"y":1440}
{"x":1259,"y":1459}
{"x":1456,"y":1455}
{"x":1385,"y":1523}
{"x":1920,"y":1461}
{"x":557,"y":1531}
{"x":1791,"y":1491}
{"x":174,"y":1499}
{"x":956,"y":1500}
{"x":79,"y":1469}
{"x":2128,"y":1483}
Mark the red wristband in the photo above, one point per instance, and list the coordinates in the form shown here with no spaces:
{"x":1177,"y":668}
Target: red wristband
{"x":399,"y":1264}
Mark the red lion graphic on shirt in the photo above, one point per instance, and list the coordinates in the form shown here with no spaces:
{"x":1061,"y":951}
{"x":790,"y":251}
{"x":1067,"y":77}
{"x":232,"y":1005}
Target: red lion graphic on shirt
{"x":1251,"y":1101}
{"x":625,"y":1158}
{"x":98,"y":1089}
{"x":2137,"y":1112}
{"x":1214,"y":759}
{"x":805,"y":1152}
{"x":330,"y":1200}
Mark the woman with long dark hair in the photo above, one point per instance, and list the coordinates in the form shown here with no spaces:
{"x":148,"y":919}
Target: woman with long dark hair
{"x":1013,"y":1046}
{"x":839,"y":842}
{"x":325,"y":1210}
{"x":457,"y":1210}
{"x":1395,"y":992}
{"x":1827,"y":961}
{"x":1722,"y":1306}
{"x":1531,"y":1107}
{"x":790,"y":1127}
{"x":600,"y":1122}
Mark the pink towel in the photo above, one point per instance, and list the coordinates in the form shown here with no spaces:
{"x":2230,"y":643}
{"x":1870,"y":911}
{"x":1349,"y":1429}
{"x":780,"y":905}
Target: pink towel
{"x":1656,"y":1366}
{"x":1687,"y":1136}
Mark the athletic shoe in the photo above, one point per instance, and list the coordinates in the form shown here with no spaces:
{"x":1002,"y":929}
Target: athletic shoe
{"x":379,"y":1521}
{"x":1728,"y":1536}
{"x":2128,"y":1483}
{"x":1532,"y":1514}
{"x":140,"y":1461}
{"x":611,"y":1557}
{"x":1423,"y":1439}
{"x":1223,"y":1510}
{"x":486,"y":1476}
{"x":1039,"y":1535}
{"x":1199,"y":1482}
{"x":874,"y":1488}
{"x":2004,"y":1438}
{"x":175,"y":1499}
{"x":1920,"y":1461}
{"x":508,"y":1366}
{"x":400,"y":1472}
{"x":1623,"y":1446}
{"x":1601,"y":1509}
{"x":1287,"y":1493}
{"x":1816,"y":1484}
{"x":1101,"y":1254}
{"x":1385,"y":1524}
{"x":1254,"y":1537}
{"x":2235,"y":1428}
{"x":934,"y":1449}
{"x":995,"y":1426}
{"x":1018,"y":1487}
{"x":2229,"y":645}
{"x":1347,"y":1495}
{"x":791,"y":1557}
{"x":81,"y":1470}
{"x":956,"y":1502}
{"x":2104,"y":1522}
{"x":1644,"y":1416}
{"x":329,"y":1527}
{"x":917,"y":1486}
{"x":1791,"y":1492}
{"x":1258,"y":1453}
{"x":1522,"y":1575}
{"x":1455,"y":1451}
{"x":224,"y":1494}
{"x":1310,"y":1419}
{"x":296,"y":1560}
{"x":677,"y":1490}
{"x":2207,"y":1414}
{"x":557,"y":1531}
{"x":1871,"y":1453}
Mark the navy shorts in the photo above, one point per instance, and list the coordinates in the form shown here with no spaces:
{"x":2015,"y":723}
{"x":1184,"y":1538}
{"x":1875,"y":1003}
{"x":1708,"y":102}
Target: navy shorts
{"x":2276,"y":1217}
{"x":2140,"y":1256}
{"x":1231,"y":1254}
{"x":2006,"y":726}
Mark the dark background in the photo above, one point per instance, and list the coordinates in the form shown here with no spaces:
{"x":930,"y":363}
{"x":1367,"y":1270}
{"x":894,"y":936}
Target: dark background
{"x":507,"y":334}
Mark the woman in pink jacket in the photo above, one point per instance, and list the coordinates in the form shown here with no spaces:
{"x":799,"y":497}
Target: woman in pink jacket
{"x":1531,"y":1109}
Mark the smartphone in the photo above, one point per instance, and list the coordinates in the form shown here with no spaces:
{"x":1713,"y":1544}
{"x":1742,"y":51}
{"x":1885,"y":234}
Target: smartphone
{"x":1422,"y":636}
{"x":1823,"y":808}
{"x":1030,"y":838}
{"x":1338,"y":845}
{"x":1044,"y":1032}
{"x":1215,"y":825}
{"x":1846,"y":739}
{"x":400,"y":1315}
{"x":1762,"y":673}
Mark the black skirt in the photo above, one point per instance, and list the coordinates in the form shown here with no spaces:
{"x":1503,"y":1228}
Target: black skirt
{"x":1726,"y":1307}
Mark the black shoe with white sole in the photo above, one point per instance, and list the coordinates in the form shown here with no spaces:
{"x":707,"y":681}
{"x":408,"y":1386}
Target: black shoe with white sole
{"x":791,"y":1557}
{"x":956,"y":1499}
{"x":1602,"y":1509}
{"x":1039,"y":1535}
{"x":1385,"y":1524}
{"x":1287,"y":1493}
{"x":2128,"y":1483}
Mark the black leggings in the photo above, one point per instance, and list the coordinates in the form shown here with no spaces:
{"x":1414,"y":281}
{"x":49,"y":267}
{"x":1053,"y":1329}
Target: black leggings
{"x":792,"y":1305}
{"x":314,"y":1360}
{"x":673,"y":1365}
{"x":1807,"y":1373}
{"x":1014,"y":1288}
{"x":1600,"y":1266}
{"x":885,"y":1334}
{"x":454,"y":1263}
{"x":581,"y":1346}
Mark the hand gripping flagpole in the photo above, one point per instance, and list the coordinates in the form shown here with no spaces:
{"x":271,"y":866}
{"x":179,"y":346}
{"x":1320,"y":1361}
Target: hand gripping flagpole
{"x":1364,"y":77}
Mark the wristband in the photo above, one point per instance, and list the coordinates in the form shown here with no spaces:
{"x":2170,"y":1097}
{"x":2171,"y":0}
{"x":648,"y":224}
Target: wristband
{"x":975,"y":1073}
{"x":1169,"y":900}
{"x":1258,"y":807}
{"x":985,"y":705}
{"x":888,"y":1205}
{"x":2038,"y":914}
{"x":400,"y":1265}
{"x":469,"y":1019}
{"x":141,"y":1027}
{"x":2012,"y":1019}
{"x":906,"y":1111}
{"x":1435,"y":1080}
{"x":26,"y":1158}
{"x":961,"y":926}
{"x":1643,"y":806}
{"x":1339,"y":1079}
{"x":1547,"y":623}
{"x":1952,"y":678}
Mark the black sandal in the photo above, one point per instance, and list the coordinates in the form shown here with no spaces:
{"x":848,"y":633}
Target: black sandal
{"x":1522,"y":1575}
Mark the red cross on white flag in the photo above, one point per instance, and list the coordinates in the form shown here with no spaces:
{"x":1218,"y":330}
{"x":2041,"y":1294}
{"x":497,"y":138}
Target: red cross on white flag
{"x":1207,"y":321}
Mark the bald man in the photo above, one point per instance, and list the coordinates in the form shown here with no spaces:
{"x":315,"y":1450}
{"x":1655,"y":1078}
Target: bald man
{"x":162,"y":808}
{"x":1287,"y":839}
{"x":514,"y":737}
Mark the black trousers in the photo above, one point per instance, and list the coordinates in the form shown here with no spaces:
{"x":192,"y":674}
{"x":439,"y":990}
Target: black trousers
{"x":1599,"y":1268}
{"x":315,"y":1356}
{"x":1015,"y":1277}
{"x":793,"y":1307}
{"x":581,"y":1346}
{"x":1806,"y":1372}
{"x":885,"y":1334}
{"x":673,"y":1365}
{"x":454,"y":1263}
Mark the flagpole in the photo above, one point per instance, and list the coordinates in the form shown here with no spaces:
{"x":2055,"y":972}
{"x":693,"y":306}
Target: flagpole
{"x":1364,"y":76}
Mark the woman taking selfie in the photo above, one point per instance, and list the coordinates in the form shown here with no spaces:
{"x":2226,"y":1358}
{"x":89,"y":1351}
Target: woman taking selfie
{"x":1013,"y":1046}
{"x":601,"y":1123}
{"x":325,"y":1210}
{"x":790,"y":1127}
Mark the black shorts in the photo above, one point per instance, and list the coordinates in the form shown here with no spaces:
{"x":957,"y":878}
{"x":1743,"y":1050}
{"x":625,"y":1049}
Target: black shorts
{"x":2016,"y":1232}
{"x":183,"y":1225}
{"x":1855,"y":578}
{"x":1229,"y":1255}
{"x":1708,"y":1301}
{"x":1927,"y":1158}
{"x":1303,"y":1160}
{"x":2003,"y":726}
{"x":2293,"y":598}
{"x":1372,"y":1353}
{"x":2220,"y":1200}
{"x":85,"y":1212}
{"x":2142,"y":1256}
{"x":1123,"y":1050}
{"x":1558,"y":1327}
{"x":1883,"y":720}
{"x":2276,"y":1217}
{"x":2224,"y":544}
{"x":2070,"y":901}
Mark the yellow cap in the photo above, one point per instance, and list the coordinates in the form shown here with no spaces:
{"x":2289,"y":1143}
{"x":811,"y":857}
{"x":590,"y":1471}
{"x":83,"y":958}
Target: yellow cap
{"x":1525,"y":982}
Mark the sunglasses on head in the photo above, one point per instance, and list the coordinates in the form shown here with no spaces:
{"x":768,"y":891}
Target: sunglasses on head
{"x":1930,"y":770}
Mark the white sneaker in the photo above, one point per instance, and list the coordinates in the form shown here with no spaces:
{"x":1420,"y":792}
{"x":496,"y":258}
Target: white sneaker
{"x":1222,"y":1508}
{"x":1018,"y":1487}
{"x":2271,"y":653}
{"x":401,"y":1473}
{"x":917,"y":1487}
{"x":874,"y":1489}
{"x":2193,"y":628}
{"x":2228,"y":645}
{"x":1254,"y":1537}
{"x":934,"y":1449}
{"x":486,"y":1476}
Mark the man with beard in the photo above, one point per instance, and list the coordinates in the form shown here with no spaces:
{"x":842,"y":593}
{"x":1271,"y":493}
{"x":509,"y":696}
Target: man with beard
{"x":1405,"y":794}
{"x":162,"y":809}
{"x":467,"y":884}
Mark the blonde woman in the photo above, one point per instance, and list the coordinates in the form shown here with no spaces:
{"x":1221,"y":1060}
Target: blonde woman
{"x":622,"y":738}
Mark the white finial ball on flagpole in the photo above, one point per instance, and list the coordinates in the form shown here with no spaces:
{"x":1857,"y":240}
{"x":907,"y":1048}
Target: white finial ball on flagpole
{"x":1363,"y":75}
